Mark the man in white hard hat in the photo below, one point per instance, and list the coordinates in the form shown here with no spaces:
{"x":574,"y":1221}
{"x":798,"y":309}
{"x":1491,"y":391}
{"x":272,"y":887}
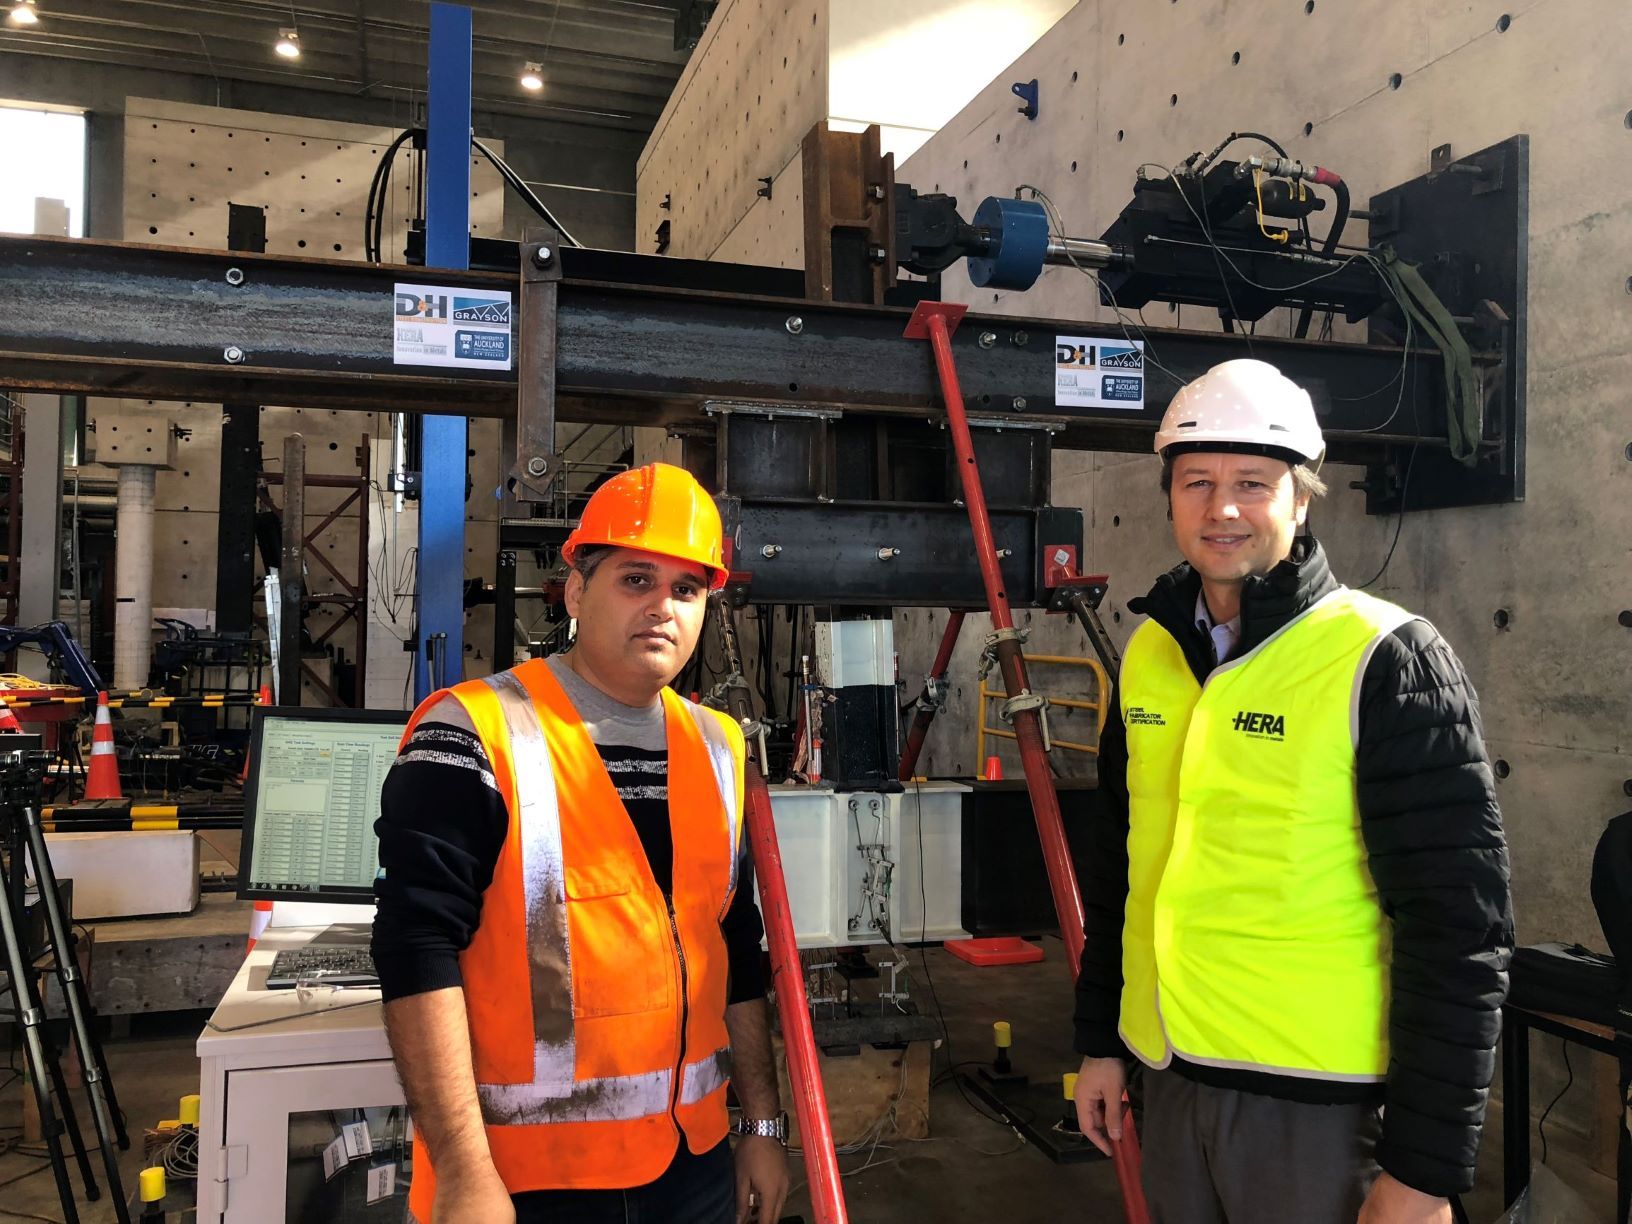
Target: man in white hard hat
{"x":1300,"y":925}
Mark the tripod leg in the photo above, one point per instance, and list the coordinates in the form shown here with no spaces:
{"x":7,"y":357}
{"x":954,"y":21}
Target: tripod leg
{"x":93,"y":1056}
{"x":70,"y":1121}
{"x":73,"y":996}
{"x":29,"y":1016}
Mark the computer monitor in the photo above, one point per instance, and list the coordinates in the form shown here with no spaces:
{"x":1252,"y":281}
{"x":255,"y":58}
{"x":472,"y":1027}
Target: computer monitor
{"x":311,"y":801}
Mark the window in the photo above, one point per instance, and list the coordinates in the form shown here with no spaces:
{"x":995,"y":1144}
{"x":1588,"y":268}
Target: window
{"x":45,"y":159}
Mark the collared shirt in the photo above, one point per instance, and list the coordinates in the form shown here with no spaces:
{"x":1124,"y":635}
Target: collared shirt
{"x":1224,"y":636}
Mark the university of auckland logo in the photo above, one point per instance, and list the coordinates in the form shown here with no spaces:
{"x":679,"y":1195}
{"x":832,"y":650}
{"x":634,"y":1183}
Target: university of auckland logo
{"x":1258,"y":725}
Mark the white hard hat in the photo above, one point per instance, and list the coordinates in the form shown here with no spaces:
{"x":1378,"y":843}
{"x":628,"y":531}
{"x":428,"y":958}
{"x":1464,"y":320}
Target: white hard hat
{"x":1244,"y":405}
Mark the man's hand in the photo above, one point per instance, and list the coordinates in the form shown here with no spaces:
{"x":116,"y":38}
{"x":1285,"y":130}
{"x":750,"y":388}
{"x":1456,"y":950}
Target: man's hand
{"x":476,"y":1196}
{"x":1100,"y":1085}
{"x":762,"y":1170}
{"x":1394,"y":1202}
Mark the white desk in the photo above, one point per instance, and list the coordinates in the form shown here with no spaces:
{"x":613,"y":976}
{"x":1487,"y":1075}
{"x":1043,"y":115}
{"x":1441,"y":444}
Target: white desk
{"x":274,"y":1095}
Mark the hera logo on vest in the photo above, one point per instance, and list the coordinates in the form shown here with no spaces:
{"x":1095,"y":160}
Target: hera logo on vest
{"x":1258,"y":725}
{"x":1138,"y":716}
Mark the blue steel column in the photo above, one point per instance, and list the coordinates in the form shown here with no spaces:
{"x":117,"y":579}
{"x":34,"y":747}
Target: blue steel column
{"x":441,"y":567}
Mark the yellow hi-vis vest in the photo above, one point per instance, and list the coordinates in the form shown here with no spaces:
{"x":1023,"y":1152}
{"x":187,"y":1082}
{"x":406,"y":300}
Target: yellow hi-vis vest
{"x":1254,"y":938}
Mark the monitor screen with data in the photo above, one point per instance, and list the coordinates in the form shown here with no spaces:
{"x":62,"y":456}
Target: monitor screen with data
{"x":311,"y":801}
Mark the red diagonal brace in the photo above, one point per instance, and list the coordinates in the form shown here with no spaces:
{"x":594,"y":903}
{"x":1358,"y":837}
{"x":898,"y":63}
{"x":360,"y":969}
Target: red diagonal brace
{"x":798,"y":1038}
{"x":925,"y":714}
{"x":935,"y":322}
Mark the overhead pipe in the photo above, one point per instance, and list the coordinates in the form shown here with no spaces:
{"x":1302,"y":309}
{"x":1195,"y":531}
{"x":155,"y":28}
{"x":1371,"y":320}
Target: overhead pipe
{"x":934,"y":321}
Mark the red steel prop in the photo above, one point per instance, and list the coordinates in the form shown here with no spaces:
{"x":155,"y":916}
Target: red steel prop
{"x":787,"y":973}
{"x":935,"y":321}
{"x":788,"y":977}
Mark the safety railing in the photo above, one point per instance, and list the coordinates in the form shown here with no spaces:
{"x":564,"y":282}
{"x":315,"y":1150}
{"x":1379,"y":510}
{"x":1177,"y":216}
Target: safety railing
{"x":1100,"y":705}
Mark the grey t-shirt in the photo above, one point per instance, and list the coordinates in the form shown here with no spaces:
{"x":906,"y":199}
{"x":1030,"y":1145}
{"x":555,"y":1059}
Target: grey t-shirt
{"x":609,"y":722}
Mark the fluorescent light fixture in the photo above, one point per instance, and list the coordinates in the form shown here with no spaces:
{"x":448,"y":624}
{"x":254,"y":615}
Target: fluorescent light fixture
{"x":24,"y":13}
{"x":288,"y":44}
{"x":532,"y":77}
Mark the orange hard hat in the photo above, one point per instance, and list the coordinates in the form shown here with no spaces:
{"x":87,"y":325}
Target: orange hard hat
{"x":659,"y":509}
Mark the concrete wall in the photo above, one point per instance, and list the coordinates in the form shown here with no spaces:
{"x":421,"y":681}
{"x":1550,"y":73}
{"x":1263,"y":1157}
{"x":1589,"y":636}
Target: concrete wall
{"x":1131,"y":81}
{"x":587,"y":177}
{"x":784,"y":67}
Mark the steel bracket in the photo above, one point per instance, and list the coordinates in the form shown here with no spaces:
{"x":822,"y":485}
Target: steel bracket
{"x":537,"y":465}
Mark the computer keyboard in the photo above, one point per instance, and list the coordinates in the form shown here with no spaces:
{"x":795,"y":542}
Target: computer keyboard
{"x":322,"y":966}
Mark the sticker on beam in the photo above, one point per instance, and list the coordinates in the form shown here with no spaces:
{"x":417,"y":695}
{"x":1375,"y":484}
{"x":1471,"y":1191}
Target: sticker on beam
{"x":444,"y":325}
{"x":1090,"y":372}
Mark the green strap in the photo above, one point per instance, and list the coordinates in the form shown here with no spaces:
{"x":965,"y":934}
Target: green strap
{"x":1464,"y":407}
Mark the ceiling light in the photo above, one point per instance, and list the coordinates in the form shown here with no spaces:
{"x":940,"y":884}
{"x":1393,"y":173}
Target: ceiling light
{"x":24,"y":13}
{"x":532,"y":77}
{"x":288,"y":44}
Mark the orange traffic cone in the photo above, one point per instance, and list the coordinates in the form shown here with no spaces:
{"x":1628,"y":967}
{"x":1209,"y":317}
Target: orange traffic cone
{"x":994,"y":769}
{"x":258,"y":920}
{"x":8,"y":718}
{"x":103,"y":782}
{"x":264,"y":697}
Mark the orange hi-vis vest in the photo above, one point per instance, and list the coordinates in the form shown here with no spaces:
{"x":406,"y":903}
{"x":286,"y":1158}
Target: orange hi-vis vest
{"x":597,"y":1007}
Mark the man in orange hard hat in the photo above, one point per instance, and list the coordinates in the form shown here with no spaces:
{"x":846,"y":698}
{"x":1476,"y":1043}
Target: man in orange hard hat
{"x":567,"y":940}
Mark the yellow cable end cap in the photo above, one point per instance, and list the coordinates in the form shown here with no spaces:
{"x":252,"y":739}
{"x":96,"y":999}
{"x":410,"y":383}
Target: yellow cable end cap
{"x":152,"y":1184}
{"x":1069,"y":1081}
{"x":189,"y":1109}
{"x":1002,"y":1034}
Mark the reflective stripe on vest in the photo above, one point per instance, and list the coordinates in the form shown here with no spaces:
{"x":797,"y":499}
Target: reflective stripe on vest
{"x":1253,"y":937}
{"x":584,"y":1079}
{"x":554,"y":1094}
{"x":728,"y":777}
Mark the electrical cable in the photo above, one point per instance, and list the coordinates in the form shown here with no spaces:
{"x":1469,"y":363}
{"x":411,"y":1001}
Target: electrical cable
{"x":27,"y":1215}
{"x":300,"y":1015}
{"x":378,"y":192}
{"x":1218,"y":261}
{"x":1366,"y":256}
{"x":520,"y":187}
{"x":1399,"y":521}
{"x":929,"y":978}
{"x":1235,"y":136}
{"x":1541,"y":1125}
{"x":1107,"y":297}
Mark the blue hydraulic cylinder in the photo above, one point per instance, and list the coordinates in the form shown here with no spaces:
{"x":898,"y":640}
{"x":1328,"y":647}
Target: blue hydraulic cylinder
{"x":1017,"y":244}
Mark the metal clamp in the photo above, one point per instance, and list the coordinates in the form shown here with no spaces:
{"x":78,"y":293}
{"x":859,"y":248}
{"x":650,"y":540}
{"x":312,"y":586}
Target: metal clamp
{"x":933,"y":699}
{"x":1028,"y":700}
{"x":988,"y":652}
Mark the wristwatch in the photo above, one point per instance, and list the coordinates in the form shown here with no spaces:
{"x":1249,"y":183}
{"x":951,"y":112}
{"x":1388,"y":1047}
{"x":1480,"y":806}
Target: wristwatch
{"x":765,"y":1128}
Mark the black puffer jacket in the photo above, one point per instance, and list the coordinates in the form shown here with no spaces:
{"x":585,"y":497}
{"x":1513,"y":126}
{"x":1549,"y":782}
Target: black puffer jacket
{"x":1433,"y":835}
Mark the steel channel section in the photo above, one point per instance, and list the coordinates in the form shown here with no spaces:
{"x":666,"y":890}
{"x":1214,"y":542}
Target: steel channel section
{"x":444,"y":459}
{"x":110,"y":318}
{"x":240,"y":460}
{"x":834,"y":546}
{"x":537,"y":465}
{"x":292,"y":570}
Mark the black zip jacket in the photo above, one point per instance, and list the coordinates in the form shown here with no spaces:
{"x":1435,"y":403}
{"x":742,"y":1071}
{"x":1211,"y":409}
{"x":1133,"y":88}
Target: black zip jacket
{"x":1433,"y":836}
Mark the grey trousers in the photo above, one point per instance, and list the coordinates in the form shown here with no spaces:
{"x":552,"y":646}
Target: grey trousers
{"x":1218,"y":1156}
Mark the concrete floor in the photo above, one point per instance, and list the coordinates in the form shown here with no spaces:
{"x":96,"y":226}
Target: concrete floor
{"x":972,"y":1168}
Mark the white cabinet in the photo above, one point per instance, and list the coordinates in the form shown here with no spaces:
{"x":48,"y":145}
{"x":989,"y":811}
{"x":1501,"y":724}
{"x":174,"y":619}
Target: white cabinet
{"x":302,"y":1117}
